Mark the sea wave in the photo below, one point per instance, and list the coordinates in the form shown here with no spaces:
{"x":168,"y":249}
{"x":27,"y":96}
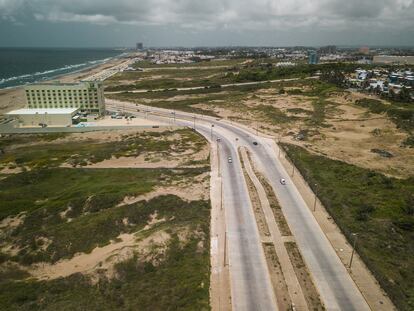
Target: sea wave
{"x":53,"y":72}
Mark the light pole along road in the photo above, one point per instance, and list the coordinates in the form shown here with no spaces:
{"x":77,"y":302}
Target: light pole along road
{"x":251,"y":288}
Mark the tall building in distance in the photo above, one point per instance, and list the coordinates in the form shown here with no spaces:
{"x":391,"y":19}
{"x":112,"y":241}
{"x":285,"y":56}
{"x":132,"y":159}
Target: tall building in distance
{"x":313,"y":57}
{"x":329,"y":49}
{"x":140,"y":46}
{"x":87,"y":96}
{"x":364,"y":50}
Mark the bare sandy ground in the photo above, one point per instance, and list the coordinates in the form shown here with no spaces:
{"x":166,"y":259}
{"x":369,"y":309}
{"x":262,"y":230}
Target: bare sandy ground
{"x":349,"y":136}
{"x":151,"y":161}
{"x":107,"y":121}
{"x":196,"y":190}
{"x":11,"y":99}
{"x":101,"y":258}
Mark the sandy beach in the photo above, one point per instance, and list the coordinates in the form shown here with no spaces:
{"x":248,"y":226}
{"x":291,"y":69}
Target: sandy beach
{"x":14,"y":98}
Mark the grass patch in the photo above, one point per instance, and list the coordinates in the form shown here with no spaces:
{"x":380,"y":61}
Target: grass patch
{"x":401,"y":114}
{"x":212,"y":63}
{"x":167,"y":73}
{"x":179,"y":281}
{"x":85,"y":152}
{"x":20,"y":139}
{"x":379,"y":208}
{"x":273,"y":115}
{"x":89,"y":198}
{"x":74,"y":210}
{"x":229,"y":97}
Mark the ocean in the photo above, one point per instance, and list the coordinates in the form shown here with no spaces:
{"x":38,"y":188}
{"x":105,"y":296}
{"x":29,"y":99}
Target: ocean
{"x":19,"y":66}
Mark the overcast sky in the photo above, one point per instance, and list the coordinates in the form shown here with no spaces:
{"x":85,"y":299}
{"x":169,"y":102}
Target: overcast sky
{"x":101,"y":23}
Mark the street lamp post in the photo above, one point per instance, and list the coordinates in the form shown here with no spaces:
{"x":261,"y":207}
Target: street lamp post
{"x":211,"y":133}
{"x":355,"y":235}
{"x":314,"y":203}
{"x":194,"y":122}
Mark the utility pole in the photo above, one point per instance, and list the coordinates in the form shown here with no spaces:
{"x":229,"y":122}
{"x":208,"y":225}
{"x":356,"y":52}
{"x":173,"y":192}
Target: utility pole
{"x":211,"y":132}
{"x":221,"y":194}
{"x":225,"y":248}
{"x":218,"y":158}
{"x":353,"y":249}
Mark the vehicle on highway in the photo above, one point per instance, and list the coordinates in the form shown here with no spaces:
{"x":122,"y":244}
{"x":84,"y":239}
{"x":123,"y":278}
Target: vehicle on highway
{"x":283,"y":181}
{"x":230,"y":160}
{"x":219,"y":139}
{"x":255,"y":143}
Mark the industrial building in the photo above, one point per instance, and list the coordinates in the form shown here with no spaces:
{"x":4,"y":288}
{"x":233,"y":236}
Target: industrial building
{"x":46,"y":117}
{"x":87,"y":96}
{"x":140,"y":46}
{"x":394,"y":60}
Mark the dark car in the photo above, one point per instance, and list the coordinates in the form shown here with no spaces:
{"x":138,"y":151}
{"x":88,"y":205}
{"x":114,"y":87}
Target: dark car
{"x":255,"y":143}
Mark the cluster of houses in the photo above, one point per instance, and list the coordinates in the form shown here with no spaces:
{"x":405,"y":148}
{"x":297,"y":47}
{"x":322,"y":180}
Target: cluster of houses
{"x":176,"y":57}
{"x":383,"y":81}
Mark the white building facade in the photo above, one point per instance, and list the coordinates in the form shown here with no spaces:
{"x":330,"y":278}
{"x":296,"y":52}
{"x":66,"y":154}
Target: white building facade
{"x":87,"y":96}
{"x":47,"y":117}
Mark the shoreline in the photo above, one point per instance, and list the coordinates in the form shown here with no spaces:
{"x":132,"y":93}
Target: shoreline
{"x":13,"y":97}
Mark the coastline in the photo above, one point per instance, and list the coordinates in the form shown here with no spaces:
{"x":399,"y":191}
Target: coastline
{"x":14,"y":98}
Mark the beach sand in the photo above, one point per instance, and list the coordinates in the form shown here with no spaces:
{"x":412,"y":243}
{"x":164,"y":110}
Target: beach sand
{"x":14,"y":98}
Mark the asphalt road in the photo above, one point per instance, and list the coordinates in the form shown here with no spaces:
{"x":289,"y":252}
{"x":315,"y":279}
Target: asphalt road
{"x":251,"y":288}
{"x":250,"y":283}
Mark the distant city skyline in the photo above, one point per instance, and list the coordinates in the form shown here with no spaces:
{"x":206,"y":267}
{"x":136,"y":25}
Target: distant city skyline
{"x":104,"y":23}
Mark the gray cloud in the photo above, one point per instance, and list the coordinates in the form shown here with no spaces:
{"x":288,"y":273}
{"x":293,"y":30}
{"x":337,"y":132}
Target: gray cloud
{"x":236,"y":16}
{"x":215,"y":13}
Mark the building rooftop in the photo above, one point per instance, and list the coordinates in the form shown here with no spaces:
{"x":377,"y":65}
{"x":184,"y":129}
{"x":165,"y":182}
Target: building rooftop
{"x":57,"y":83}
{"x":43,"y":111}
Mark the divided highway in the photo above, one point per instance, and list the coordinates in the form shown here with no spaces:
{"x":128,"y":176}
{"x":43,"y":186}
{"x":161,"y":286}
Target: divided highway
{"x":251,"y":288}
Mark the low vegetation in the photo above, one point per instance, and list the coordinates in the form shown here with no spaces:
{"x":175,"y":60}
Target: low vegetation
{"x":50,"y":214}
{"x":401,"y":114}
{"x":379,"y":208}
{"x":213,"y":63}
{"x":257,"y":72}
{"x":52,"y":154}
{"x":179,"y":281}
{"x":189,"y":100}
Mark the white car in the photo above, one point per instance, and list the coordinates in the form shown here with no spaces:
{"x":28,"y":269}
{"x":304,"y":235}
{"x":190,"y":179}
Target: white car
{"x":283,"y":181}
{"x":230,"y":160}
